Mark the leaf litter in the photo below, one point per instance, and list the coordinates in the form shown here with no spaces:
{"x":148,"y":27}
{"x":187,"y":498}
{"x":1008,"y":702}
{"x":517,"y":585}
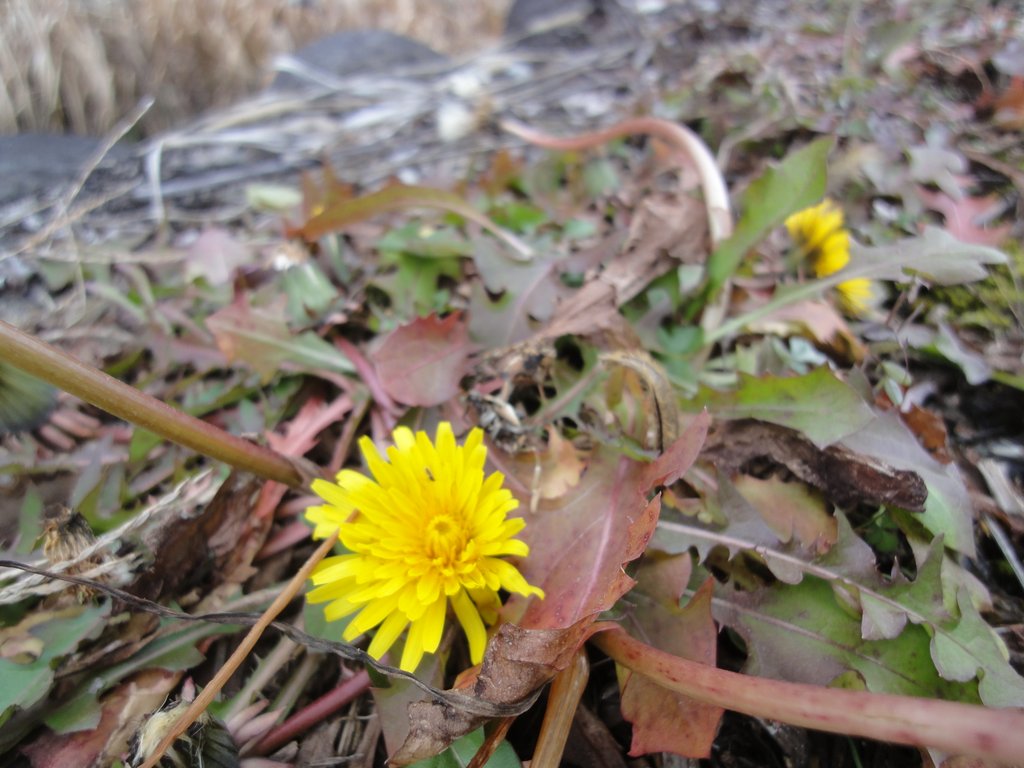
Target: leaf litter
{"x":836,"y":544}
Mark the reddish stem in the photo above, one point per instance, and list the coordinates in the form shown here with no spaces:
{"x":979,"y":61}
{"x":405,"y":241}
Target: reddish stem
{"x":960,"y":729}
{"x":313,"y":713}
{"x":716,"y":196}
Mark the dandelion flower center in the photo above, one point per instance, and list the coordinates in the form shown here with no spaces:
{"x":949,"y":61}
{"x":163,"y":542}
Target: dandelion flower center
{"x":426,"y":532}
{"x":445,"y":539}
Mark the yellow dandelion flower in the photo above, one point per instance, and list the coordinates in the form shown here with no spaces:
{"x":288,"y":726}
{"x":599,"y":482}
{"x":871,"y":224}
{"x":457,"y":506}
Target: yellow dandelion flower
{"x":428,"y":529}
{"x":820,"y":234}
{"x":822,"y":239}
{"x":859,"y":295}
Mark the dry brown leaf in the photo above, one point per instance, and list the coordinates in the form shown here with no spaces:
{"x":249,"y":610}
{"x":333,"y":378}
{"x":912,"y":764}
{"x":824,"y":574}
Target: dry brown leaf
{"x":560,"y":468}
{"x":846,"y":478}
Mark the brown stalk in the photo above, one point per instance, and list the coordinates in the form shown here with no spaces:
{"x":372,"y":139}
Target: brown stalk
{"x":115,"y":397}
{"x":563,"y":700}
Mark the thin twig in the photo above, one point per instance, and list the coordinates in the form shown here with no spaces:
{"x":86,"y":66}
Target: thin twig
{"x":457,"y":700}
{"x":204,"y":699}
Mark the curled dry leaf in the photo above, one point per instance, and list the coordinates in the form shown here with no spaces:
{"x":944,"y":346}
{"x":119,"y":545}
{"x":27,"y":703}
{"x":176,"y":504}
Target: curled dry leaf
{"x":565,"y":471}
{"x":846,"y":477}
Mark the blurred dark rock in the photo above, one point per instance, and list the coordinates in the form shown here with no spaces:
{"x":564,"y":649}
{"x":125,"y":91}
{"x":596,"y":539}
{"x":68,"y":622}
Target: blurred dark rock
{"x":37,"y":164}
{"x":547,"y":24}
{"x":353,"y":52}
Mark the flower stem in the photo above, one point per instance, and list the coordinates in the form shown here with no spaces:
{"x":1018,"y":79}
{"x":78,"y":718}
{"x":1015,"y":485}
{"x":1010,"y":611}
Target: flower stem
{"x":960,"y":729}
{"x":781,"y":299}
{"x":115,"y":397}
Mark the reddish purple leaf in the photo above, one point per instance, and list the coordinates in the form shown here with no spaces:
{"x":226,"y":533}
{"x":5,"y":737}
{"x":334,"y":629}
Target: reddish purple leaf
{"x":580,"y":542}
{"x":664,"y":720}
{"x":422,"y":362}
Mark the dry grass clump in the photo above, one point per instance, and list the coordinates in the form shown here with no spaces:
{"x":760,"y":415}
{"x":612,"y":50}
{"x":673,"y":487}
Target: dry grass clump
{"x":79,"y":65}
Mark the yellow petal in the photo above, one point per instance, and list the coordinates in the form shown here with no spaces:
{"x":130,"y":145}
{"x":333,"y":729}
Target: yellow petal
{"x":858,"y":295}
{"x":832,"y":255}
{"x":428,"y":587}
{"x":372,"y":614}
{"x":336,"y":568}
{"x":339,"y":609}
{"x":469,"y":617}
{"x":404,"y":438}
{"x":412,"y":653}
{"x":332,"y":494}
{"x":433,"y":624}
{"x":386,"y":635}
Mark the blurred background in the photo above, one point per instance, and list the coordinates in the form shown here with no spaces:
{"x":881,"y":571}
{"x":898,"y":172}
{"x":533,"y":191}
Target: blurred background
{"x":80,"y":65}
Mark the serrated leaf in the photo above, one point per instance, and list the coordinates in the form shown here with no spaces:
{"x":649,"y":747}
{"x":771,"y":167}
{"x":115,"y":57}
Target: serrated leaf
{"x":529,"y":292}
{"x":818,"y":404}
{"x":415,"y":287}
{"x":936,"y":255}
{"x":791,"y":510}
{"x":495,"y":323}
{"x":745,"y":531}
{"x":797,"y":182}
{"x":964,"y":648}
{"x":800,"y":633}
{"x":971,"y":649}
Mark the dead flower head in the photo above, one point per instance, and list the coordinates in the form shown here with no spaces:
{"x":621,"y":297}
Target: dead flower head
{"x":427,"y":529}
{"x":823,"y":240}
